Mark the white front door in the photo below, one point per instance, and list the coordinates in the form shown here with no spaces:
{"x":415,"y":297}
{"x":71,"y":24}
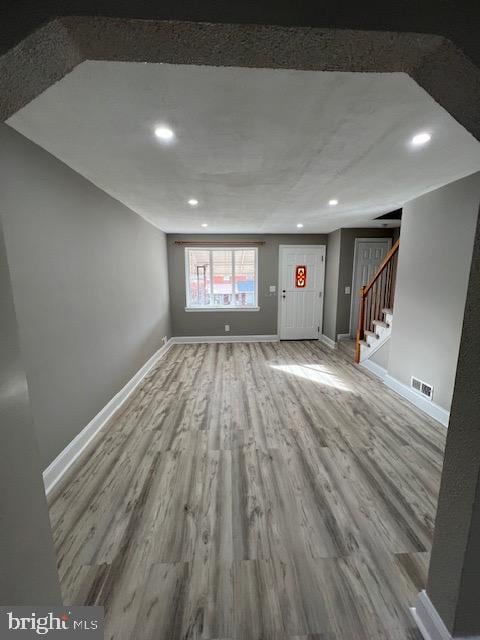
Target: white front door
{"x":301,"y":281}
{"x":369,"y":253}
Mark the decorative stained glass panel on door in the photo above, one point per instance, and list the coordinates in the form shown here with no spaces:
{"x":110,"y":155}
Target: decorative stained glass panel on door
{"x":301,"y":276}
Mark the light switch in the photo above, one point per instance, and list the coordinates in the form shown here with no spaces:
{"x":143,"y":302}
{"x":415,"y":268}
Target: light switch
{"x":347,"y":291}
{"x":227,"y":328}
{"x":273,"y":288}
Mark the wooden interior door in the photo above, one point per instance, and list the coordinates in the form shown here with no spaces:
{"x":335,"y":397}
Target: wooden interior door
{"x":369,"y":253}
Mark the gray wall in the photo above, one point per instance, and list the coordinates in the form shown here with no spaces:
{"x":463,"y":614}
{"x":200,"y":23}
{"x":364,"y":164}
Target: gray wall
{"x":331,"y":285}
{"x":434,"y":262}
{"x":90,"y":287}
{"x":213,"y":323}
{"x":27,"y":562}
{"x":453,"y":578}
{"x":382,"y":355}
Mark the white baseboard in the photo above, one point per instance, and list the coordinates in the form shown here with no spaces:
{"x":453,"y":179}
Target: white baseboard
{"x":374,"y":368}
{"x":428,"y":621}
{"x":430,"y":408}
{"x":54,"y":472}
{"x":328,"y":341}
{"x":56,"y":469}
{"x":199,"y":339}
{"x":343,"y":336}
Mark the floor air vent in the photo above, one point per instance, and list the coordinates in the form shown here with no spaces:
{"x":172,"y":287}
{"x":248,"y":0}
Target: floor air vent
{"x":422,"y":387}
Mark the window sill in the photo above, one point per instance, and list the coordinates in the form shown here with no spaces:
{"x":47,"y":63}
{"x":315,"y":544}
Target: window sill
{"x":219,"y":309}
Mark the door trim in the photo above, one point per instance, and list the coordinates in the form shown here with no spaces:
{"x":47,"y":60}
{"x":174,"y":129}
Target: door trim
{"x":279,"y":279}
{"x":352,"y":291}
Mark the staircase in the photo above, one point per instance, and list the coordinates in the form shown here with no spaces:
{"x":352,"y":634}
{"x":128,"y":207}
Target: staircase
{"x":376,"y":307}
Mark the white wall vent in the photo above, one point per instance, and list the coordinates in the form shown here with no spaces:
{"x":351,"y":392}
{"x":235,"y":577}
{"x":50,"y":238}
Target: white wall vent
{"x":421,"y":387}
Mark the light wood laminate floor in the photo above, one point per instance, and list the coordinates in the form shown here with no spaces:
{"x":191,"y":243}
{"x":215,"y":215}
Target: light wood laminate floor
{"x":253,"y":491}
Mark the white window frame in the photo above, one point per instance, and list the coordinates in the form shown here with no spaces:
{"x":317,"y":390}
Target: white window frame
{"x":222,"y":308}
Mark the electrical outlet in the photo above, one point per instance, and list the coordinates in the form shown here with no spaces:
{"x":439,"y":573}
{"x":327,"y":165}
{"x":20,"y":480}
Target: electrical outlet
{"x":227,"y":328}
{"x":347,"y":291}
{"x":273,"y":288}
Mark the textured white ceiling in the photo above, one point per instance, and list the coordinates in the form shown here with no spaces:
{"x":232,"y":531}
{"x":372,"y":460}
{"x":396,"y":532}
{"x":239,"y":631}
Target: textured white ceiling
{"x":260,"y":149}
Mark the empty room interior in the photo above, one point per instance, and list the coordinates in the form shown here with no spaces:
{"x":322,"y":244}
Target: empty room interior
{"x":234,"y":299}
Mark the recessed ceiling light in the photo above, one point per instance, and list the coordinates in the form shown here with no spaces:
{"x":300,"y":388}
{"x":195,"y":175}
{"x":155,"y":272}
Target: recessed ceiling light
{"x":193,"y":202}
{"x":204,"y":224}
{"x":333,"y":202}
{"x":421,"y":138}
{"x":164,"y":133}
{"x":299,"y":225}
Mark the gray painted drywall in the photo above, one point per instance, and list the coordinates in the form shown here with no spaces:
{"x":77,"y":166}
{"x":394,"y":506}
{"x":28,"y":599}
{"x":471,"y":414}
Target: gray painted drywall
{"x":212,"y":323}
{"x":347,"y":251}
{"x":90,"y":287}
{"x":28,"y":572}
{"x":382,"y":355}
{"x":331,"y":285}
{"x":434,"y":262}
{"x":453,"y":581}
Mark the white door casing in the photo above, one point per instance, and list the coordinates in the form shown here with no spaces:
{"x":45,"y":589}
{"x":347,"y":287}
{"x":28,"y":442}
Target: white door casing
{"x":369,"y":253}
{"x":300,"y":311}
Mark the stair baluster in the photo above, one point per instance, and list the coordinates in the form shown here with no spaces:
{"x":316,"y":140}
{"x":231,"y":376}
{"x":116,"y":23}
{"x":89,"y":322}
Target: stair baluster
{"x":377,"y":295}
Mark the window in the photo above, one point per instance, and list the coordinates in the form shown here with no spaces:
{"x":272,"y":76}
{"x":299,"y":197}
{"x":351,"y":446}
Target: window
{"x":221,"y":278}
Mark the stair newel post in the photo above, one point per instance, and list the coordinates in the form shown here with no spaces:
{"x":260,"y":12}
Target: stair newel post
{"x":361,"y":324}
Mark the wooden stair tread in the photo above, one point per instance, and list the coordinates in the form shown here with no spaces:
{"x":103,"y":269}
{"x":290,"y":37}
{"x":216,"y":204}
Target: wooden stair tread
{"x":379,"y":291}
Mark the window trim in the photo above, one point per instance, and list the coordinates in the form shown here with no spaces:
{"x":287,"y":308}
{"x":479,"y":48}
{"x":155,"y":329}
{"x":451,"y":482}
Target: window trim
{"x":220,"y":309}
{"x":202,"y":309}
